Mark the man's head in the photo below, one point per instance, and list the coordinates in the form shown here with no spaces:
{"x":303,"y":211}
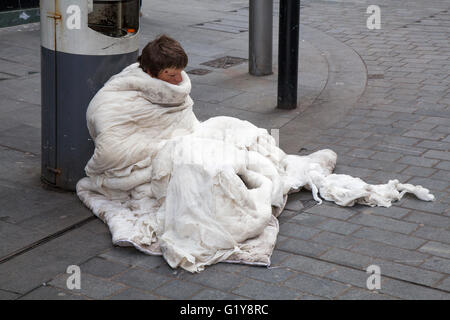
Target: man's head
{"x":164,"y":58}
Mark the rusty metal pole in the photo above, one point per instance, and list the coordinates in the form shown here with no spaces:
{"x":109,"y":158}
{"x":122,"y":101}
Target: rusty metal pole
{"x":260,"y":37}
{"x":289,"y":32}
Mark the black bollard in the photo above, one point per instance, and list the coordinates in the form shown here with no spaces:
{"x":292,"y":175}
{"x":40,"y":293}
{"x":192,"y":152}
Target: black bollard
{"x":288,"y":41}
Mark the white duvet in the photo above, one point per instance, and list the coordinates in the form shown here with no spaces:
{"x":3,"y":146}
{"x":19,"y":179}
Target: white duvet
{"x":200,"y":192}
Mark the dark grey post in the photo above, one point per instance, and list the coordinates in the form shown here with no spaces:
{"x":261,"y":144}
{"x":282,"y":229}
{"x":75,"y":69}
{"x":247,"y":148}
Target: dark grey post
{"x":260,"y":37}
{"x":288,"y":53}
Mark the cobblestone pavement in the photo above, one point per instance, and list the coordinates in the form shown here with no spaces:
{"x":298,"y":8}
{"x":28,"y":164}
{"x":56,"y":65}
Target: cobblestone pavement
{"x":379,"y":98}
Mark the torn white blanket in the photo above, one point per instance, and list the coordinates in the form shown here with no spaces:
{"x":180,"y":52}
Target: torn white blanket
{"x":199,"y":193}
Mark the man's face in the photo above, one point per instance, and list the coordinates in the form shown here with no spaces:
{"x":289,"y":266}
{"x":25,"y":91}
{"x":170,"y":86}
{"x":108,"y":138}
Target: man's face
{"x":170,"y":75}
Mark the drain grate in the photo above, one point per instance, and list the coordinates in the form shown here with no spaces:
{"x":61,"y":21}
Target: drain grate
{"x":199,"y":72}
{"x":224,"y":62}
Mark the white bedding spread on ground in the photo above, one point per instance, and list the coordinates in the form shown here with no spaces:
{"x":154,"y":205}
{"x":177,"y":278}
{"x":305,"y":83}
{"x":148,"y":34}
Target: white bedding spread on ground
{"x":200,"y":193}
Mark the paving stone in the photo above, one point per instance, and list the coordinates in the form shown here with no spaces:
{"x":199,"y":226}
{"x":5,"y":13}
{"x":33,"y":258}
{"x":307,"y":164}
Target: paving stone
{"x":331,"y":211}
{"x":265,"y":291}
{"x":51,"y":293}
{"x":90,"y":286}
{"x":443,"y":146}
{"x":384,"y":223}
{"x":5,"y":295}
{"x":29,"y":270}
{"x":346,"y":258}
{"x":428,"y":219}
{"x":127,"y":255}
{"x":286,"y":216}
{"x":392,"y":212}
{"x":277,"y":258}
{"x":358,"y":294}
{"x":419,"y":171}
{"x":335,"y":240}
{"x":337,"y":226}
{"x":316,"y":286}
{"x":433,"y":207}
{"x":391,"y":238}
{"x":425,"y":135}
{"x":386,"y":156}
{"x":178,"y":289}
{"x":356,"y":172}
{"x":445,"y":285}
{"x":209,"y":294}
{"x":214,"y":279}
{"x":408,"y":273}
{"x":436,"y":249}
{"x":444,"y":165}
{"x":418,"y":161}
{"x":432,"y":233}
{"x":376,"y":249}
{"x":212,"y":94}
{"x":298,"y":246}
{"x":349,"y":276}
{"x":102,"y":268}
{"x":311,"y":297}
{"x":378,"y":165}
{"x":308,"y":219}
{"x":307,"y":265}
{"x":273,"y":275}
{"x":133,"y":294}
{"x":410,"y":291}
{"x":441,"y":175}
{"x":428,"y":183}
{"x":297,"y":231}
{"x":442,"y":155}
{"x":141,"y":279}
{"x":361,"y":153}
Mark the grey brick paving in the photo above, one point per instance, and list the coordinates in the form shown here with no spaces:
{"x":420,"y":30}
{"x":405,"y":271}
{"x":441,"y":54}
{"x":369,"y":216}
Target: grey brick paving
{"x":410,"y":291}
{"x":384,"y":223}
{"x":432,"y":233}
{"x":307,"y":265}
{"x":298,"y":246}
{"x":428,"y":219}
{"x":376,"y":249}
{"x":297,"y":231}
{"x":316,"y":286}
{"x":356,"y":278}
{"x":52,"y":293}
{"x":391,"y":238}
{"x":215,"y":279}
{"x":337,"y":226}
{"x":102,"y":268}
{"x":436,"y":249}
{"x":409,"y":273}
{"x":178,"y":290}
{"x":336,"y":240}
{"x":5,"y":295}
{"x":209,"y":294}
{"x":91,"y":286}
{"x":141,"y":279}
{"x":397,"y":129}
{"x":262,"y":290}
{"x":346,"y":258}
{"x":331,"y":211}
{"x":358,"y":294}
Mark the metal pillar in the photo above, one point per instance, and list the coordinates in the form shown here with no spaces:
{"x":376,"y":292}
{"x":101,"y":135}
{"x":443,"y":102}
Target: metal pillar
{"x":83,"y":44}
{"x":260,"y":37}
{"x":289,"y":32}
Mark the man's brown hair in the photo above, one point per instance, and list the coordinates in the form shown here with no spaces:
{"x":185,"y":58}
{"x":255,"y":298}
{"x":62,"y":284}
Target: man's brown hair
{"x":161,"y":53}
